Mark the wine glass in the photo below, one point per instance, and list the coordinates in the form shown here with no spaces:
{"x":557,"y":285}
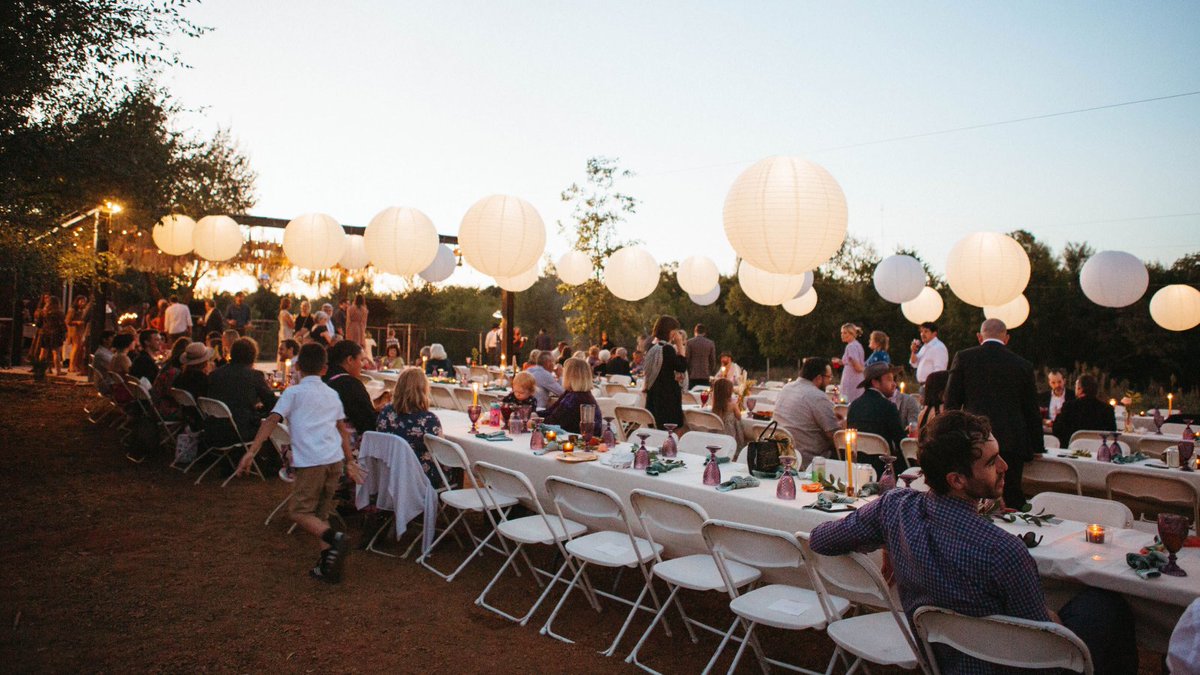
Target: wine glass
{"x":506,"y":411}
{"x":608,"y":436}
{"x":669,"y":447}
{"x":1116,"y":446}
{"x":1158,"y":421}
{"x":473,"y":413}
{"x":786,"y":488}
{"x":712,"y":470}
{"x":751,"y":402}
{"x":908,"y":478}
{"x":641,"y":458}
{"x":1186,"y":449}
{"x":704,"y":398}
{"x":888,"y":480}
{"x":1172,"y":530}
{"x":587,"y":422}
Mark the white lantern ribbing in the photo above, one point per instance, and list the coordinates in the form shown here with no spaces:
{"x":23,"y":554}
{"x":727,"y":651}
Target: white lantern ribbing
{"x":697,"y":273}
{"x":574,"y":267}
{"x":355,"y":256}
{"x":785,"y":215}
{"x":216,"y":238}
{"x":519,"y":282}
{"x":805,"y":303}
{"x":767,"y":288}
{"x":1012,"y":313}
{"x":1114,"y":279}
{"x":1176,"y":307}
{"x":925,"y":307}
{"x":442,"y":266}
{"x":173,"y":234}
{"x":631,"y":273}
{"x":987,"y":269}
{"x":502,"y":236}
{"x":401,"y":240}
{"x":706,"y":299}
{"x":899,"y":278}
{"x":314,"y":241}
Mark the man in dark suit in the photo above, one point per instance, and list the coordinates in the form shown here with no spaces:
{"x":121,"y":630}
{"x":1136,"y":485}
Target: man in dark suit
{"x":618,"y":364}
{"x":874,"y":413}
{"x":1052,"y":400}
{"x":992,"y":381}
{"x":1085,"y":411}
{"x":214,"y":321}
{"x":701,"y":356}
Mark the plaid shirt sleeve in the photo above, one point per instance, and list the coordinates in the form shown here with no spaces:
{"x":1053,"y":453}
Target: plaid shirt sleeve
{"x":861,"y":531}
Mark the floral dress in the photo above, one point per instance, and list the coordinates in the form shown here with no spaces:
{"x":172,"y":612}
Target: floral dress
{"x":413,"y":427}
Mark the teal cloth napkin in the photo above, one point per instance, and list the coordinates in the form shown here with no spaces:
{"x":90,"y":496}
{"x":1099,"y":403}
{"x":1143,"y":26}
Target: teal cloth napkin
{"x":663,"y":465}
{"x":1135,"y":457}
{"x":737,"y":483}
{"x":494,"y":436}
{"x":1147,"y":566}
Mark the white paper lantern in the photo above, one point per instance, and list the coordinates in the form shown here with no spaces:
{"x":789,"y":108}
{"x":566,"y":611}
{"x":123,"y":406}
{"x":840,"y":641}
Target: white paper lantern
{"x":987,"y":269}
{"x":502,"y":236}
{"x":217,"y":238}
{"x":1114,"y":279}
{"x":355,"y":256}
{"x":1176,"y":307}
{"x":785,"y":215}
{"x":899,"y":278}
{"x":173,"y":234}
{"x":706,"y":299}
{"x":631,"y":273}
{"x":803,"y":304}
{"x":401,"y":240}
{"x":697,"y":273}
{"x":574,"y":268}
{"x":314,"y":241}
{"x":807,"y":286}
{"x":1012,"y":313}
{"x":925,"y":307}
{"x":521,"y":281}
{"x":767,"y":288}
{"x":442,"y":266}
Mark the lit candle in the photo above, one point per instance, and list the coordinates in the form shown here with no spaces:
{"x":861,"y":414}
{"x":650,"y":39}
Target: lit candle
{"x":551,"y":435}
{"x":851,"y":439}
{"x":1112,"y":402}
{"x":474,"y":393}
{"x":901,"y":387}
{"x":514,"y":362}
{"x":568,"y":447}
{"x":1094,"y":534}
{"x":1170,"y":404}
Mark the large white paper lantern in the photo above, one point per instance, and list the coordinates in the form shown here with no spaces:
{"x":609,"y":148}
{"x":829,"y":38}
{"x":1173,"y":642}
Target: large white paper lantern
{"x":1176,"y":307}
{"x":574,"y":268}
{"x":899,"y":278}
{"x":314,"y":241}
{"x":519,"y":282}
{"x":502,"y":236}
{"x":785,"y":215}
{"x":803,"y":304}
{"x":696,"y":274}
{"x":631,"y":273}
{"x":925,"y":307}
{"x":987,"y":269}
{"x":355,"y":256}
{"x":216,"y":238}
{"x":807,"y":286}
{"x":1114,"y":279}
{"x":442,"y":266}
{"x":173,"y":234}
{"x":706,"y":299}
{"x":768,"y":288}
{"x":401,"y":240}
{"x":1012,"y":313}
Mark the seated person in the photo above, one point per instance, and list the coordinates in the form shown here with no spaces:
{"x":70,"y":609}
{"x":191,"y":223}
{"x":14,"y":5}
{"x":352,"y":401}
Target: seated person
{"x":601,"y":369}
{"x":730,"y":370}
{"x":319,"y":335}
{"x":438,"y":361}
{"x":577,"y":382}
{"x":196,"y":363}
{"x":408,"y":416}
{"x":244,"y":389}
{"x":523,"y":388}
{"x":103,"y":357}
{"x":1085,"y":411}
{"x":227,"y":339}
{"x":391,"y":358}
{"x":160,"y":390}
{"x":547,"y":384}
{"x":873,"y":413}
{"x":143,"y":364}
{"x":345,"y":367}
{"x":619,"y":363}
{"x":217,"y":344}
{"x":1053,"y":399}
{"x":728,"y":409}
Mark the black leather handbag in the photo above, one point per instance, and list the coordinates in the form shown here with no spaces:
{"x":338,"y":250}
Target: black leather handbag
{"x":762,"y":454}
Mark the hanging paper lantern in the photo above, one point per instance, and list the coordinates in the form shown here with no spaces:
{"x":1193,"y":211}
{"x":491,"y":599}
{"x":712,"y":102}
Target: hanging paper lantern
{"x":785,"y":215}
{"x":401,"y":240}
{"x":1013,"y":313}
{"x":314,"y":241}
{"x":706,"y":299}
{"x":1176,"y":307}
{"x":502,"y":236}
{"x":217,"y":238}
{"x":697,"y":273}
{"x":803,"y":304}
{"x":767,"y":288}
{"x":927,"y":306}
{"x":631,"y":273}
{"x":807,"y":286}
{"x":574,"y":268}
{"x":1114,"y":279}
{"x":520,"y":282}
{"x":173,"y":234}
{"x":987,"y":269}
{"x":442,"y":266}
{"x":899,"y":278}
{"x":355,"y":257}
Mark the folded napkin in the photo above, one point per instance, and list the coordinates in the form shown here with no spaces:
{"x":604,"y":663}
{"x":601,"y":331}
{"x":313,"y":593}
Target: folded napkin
{"x":1135,"y":457}
{"x":1147,"y":565}
{"x":663,"y":465}
{"x":494,"y":436}
{"x":737,"y":483}
{"x":826,"y":500}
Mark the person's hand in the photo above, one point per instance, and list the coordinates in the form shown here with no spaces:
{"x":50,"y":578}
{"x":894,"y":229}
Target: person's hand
{"x":247,"y":461}
{"x":355,"y":472}
{"x":916,"y":346}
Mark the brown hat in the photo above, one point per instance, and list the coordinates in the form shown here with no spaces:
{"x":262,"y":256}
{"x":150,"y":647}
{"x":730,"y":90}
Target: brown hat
{"x":874,"y":372}
{"x":196,"y":352}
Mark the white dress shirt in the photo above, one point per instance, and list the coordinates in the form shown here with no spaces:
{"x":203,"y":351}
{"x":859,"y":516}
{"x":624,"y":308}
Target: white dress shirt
{"x":931,"y":357}
{"x":312,"y":411}
{"x":177,"y":319}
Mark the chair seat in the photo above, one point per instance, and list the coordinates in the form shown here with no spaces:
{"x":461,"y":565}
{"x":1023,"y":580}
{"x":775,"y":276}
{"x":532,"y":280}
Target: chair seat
{"x":875,"y":638}
{"x":467,"y":499}
{"x":757,"y":606}
{"x":611,"y":549}
{"x":699,"y":573}
{"x":533,"y":529}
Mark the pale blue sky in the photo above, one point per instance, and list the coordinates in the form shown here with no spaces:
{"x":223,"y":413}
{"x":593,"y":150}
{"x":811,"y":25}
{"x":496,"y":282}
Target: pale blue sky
{"x":350,"y":107}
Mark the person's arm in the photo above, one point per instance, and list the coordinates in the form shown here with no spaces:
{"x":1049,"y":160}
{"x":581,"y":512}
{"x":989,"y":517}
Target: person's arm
{"x":916,"y":354}
{"x":1016,"y":580}
{"x":860,"y":531}
{"x":264,"y":432}
{"x":263,"y":390}
{"x":678,"y":362}
{"x":551,"y":384}
{"x":354,"y":470}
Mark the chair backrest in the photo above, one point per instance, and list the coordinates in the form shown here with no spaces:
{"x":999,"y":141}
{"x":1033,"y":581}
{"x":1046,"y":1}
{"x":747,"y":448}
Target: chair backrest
{"x":767,"y":396}
{"x":867,"y":444}
{"x":211,"y":407}
{"x":462,"y":372}
{"x":506,"y":482}
{"x":1043,"y":644}
{"x":757,"y":429}
{"x":446,"y":452}
{"x":623,"y":380}
{"x":759,"y":547}
{"x":1083,"y":509}
{"x":463,"y":397}
{"x":690,"y":399}
{"x":486,"y":400}
{"x":631,"y":419}
{"x":1154,"y":447}
{"x":1092,"y":444}
{"x":673,"y":522}
{"x":1050,"y":441}
{"x":697,"y":442}
{"x":440,"y":397}
{"x":703,"y":420}
{"x":908,"y":448}
{"x":1088,"y":434}
{"x":184,"y":399}
{"x":1154,"y":490}
{"x":773,"y":384}
{"x":596,"y":507}
{"x":1051,"y":471}
{"x":654,"y":438}
{"x":841,"y":410}
{"x":1173,"y":428}
{"x":614,"y":388}
{"x":280,"y":436}
{"x":628,"y":398}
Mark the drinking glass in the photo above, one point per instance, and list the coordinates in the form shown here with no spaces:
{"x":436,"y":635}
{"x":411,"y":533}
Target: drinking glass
{"x":1158,"y":421}
{"x":608,"y":436}
{"x":786,"y":488}
{"x":506,"y":411}
{"x":888,"y":480}
{"x":1103,"y":453}
{"x":1116,"y":447}
{"x":750,"y":403}
{"x":587,"y":422}
{"x":669,"y":449}
{"x":1172,"y":530}
{"x":712,"y":470}
{"x":703,"y":398}
{"x":641,"y":458}
{"x":473,"y":412}
{"x":1186,"y":448}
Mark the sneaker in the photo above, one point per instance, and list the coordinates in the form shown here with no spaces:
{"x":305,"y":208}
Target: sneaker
{"x":335,"y":557}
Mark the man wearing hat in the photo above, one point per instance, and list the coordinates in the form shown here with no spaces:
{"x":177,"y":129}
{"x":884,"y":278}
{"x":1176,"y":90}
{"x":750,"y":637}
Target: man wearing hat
{"x":874,"y":413}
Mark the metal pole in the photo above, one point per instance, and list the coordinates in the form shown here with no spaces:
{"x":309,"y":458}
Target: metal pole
{"x":508,"y":314}
{"x":99,"y":288}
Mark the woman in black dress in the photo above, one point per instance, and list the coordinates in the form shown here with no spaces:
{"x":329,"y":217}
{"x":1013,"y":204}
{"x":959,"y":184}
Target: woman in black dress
{"x":664,"y":398}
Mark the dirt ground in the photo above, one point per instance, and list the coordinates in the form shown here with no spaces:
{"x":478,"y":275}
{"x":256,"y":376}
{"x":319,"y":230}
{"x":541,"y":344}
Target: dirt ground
{"x":111,"y":566}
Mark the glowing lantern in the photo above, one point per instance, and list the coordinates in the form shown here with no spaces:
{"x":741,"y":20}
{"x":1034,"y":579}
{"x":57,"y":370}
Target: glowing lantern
{"x":925,"y":307}
{"x":1114,"y":279}
{"x":173,"y":234}
{"x":355,"y":256}
{"x":987,"y":269}
{"x":803,"y":304}
{"x":442,"y":266}
{"x":767,"y":288}
{"x":1013,"y":313}
{"x":1176,"y":307}
{"x":696,"y":274}
{"x":502,"y":236}
{"x":631,"y":273}
{"x":574,"y":267}
{"x":401,"y":240}
{"x":217,"y":238}
{"x":899,"y":278}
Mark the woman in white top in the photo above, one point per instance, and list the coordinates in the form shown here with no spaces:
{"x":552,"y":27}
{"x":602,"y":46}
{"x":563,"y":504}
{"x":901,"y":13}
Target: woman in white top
{"x":287,"y":322}
{"x":853,"y":362}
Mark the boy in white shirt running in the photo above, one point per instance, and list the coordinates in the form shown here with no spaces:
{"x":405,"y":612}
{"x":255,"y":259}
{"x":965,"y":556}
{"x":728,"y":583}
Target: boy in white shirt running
{"x":320,"y":449}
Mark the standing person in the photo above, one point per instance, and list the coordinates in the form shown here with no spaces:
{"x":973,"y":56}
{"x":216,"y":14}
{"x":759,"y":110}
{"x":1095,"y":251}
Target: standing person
{"x":729,"y":409}
{"x":237,"y":315}
{"x":852,"y":362}
{"x":701,"y":355}
{"x":409,"y":417}
{"x":806,"y":412}
{"x":543,"y":341}
{"x":287,"y":322}
{"x":76,"y":329}
{"x":518,"y":343}
{"x":356,"y":321}
{"x":992,"y":381}
{"x":1085,"y":411}
{"x":339,"y":317}
{"x":177,"y":320}
{"x":491,"y":345}
{"x":52,"y":333}
{"x":158,"y":318}
{"x":1052,"y":400}
{"x":929,"y":354}
{"x":664,"y":398}
{"x":878,"y":342}
{"x":873,"y":413}
{"x":214,"y":321}
{"x":320,"y":452}
{"x":605,"y":343}
{"x":304,"y":322}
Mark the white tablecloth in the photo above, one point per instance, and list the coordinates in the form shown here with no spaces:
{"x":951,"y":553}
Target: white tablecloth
{"x":1092,"y":473}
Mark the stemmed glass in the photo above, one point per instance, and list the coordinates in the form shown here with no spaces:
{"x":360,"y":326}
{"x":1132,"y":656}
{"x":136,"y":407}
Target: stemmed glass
{"x":712,"y":470}
{"x":1158,"y":421}
{"x":641,"y":458}
{"x":1116,"y":446}
{"x":750,"y":403}
{"x":1172,"y":530}
{"x":704,"y":398}
{"x":786,"y":488}
{"x":473,"y":413}
{"x":1103,"y":453}
{"x":669,"y":449}
{"x":888,"y":480}
{"x":608,"y":437}
{"x":1186,"y":448}
{"x":587,"y":422}
{"x":908,"y":478}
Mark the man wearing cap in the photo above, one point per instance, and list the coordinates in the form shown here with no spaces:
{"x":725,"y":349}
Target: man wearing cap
{"x":874,"y":413}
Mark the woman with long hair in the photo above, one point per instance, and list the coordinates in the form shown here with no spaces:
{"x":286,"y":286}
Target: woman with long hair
{"x":577,"y":381}
{"x":853,"y":362}
{"x":287,"y":322}
{"x":664,"y":397}
{"x":356,"y":321}
{"x":52,"y":333}
{"x":408,"y":416}
{"x":304,"y":321}
{"x":935,"y":392}
{"x":728,"y":409}
{"x":160,"y":390}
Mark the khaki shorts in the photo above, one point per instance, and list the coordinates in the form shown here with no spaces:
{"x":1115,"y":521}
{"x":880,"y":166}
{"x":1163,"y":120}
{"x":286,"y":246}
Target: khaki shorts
{"x":313,"y":490}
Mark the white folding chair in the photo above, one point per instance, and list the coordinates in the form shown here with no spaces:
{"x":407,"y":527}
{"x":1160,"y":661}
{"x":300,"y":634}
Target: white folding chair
{"x":1083,"y":509}
{"x":623,"y":380}
{"x":654,"y":437}
{"x":480,"y":372}
{"x":866,"y":444}
{"x":690,"y":399}
{"x":397,"y":484}
{"x":1051,"y":442}
{"x":614,"y":388}
{"x":1151,"y":493}
{"x":908,"y":448}
{"x":1043,"y":644}
{"x":1051,"y":473}
{"x":440,"y":397}
{"x":841,"y":410}
{"x":1153,"y":447}
{"x":188,"y":406}
{"x":281,"y":438}
{"x":703,"y":420}
{"x":463,"y":372}
{"x":168,"y":429}
{"x":773,"y":385}
{"x":539,"y":528}
{"x":630,"y":419}
{"x":103,"y":405}
{"x":1089,"y":434}
{"x":1092,"y":444}
{"x":1173,"y":428}
{"x":214,"y":409}
{"x":447,"y":454}
{"x":697,"y":442}
{"x":676,"y":523}
{"x":611,"y":544}
{"x":463,"y":397}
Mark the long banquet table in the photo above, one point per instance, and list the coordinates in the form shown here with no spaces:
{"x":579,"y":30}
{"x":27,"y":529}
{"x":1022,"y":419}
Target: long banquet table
{"x":1092,"y":473}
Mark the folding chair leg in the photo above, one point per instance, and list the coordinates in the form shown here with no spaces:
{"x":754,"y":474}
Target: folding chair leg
{"x":223,"y":456}
{"x":523,"y":620}
{"x":378,"y":533}
{"x":721,"y":647}
{"x":632,"y":658}
{"x":277,"y":509}
{"x":199,"y":457}
{"x":548,"y":627}
{"x":254,"y":471}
